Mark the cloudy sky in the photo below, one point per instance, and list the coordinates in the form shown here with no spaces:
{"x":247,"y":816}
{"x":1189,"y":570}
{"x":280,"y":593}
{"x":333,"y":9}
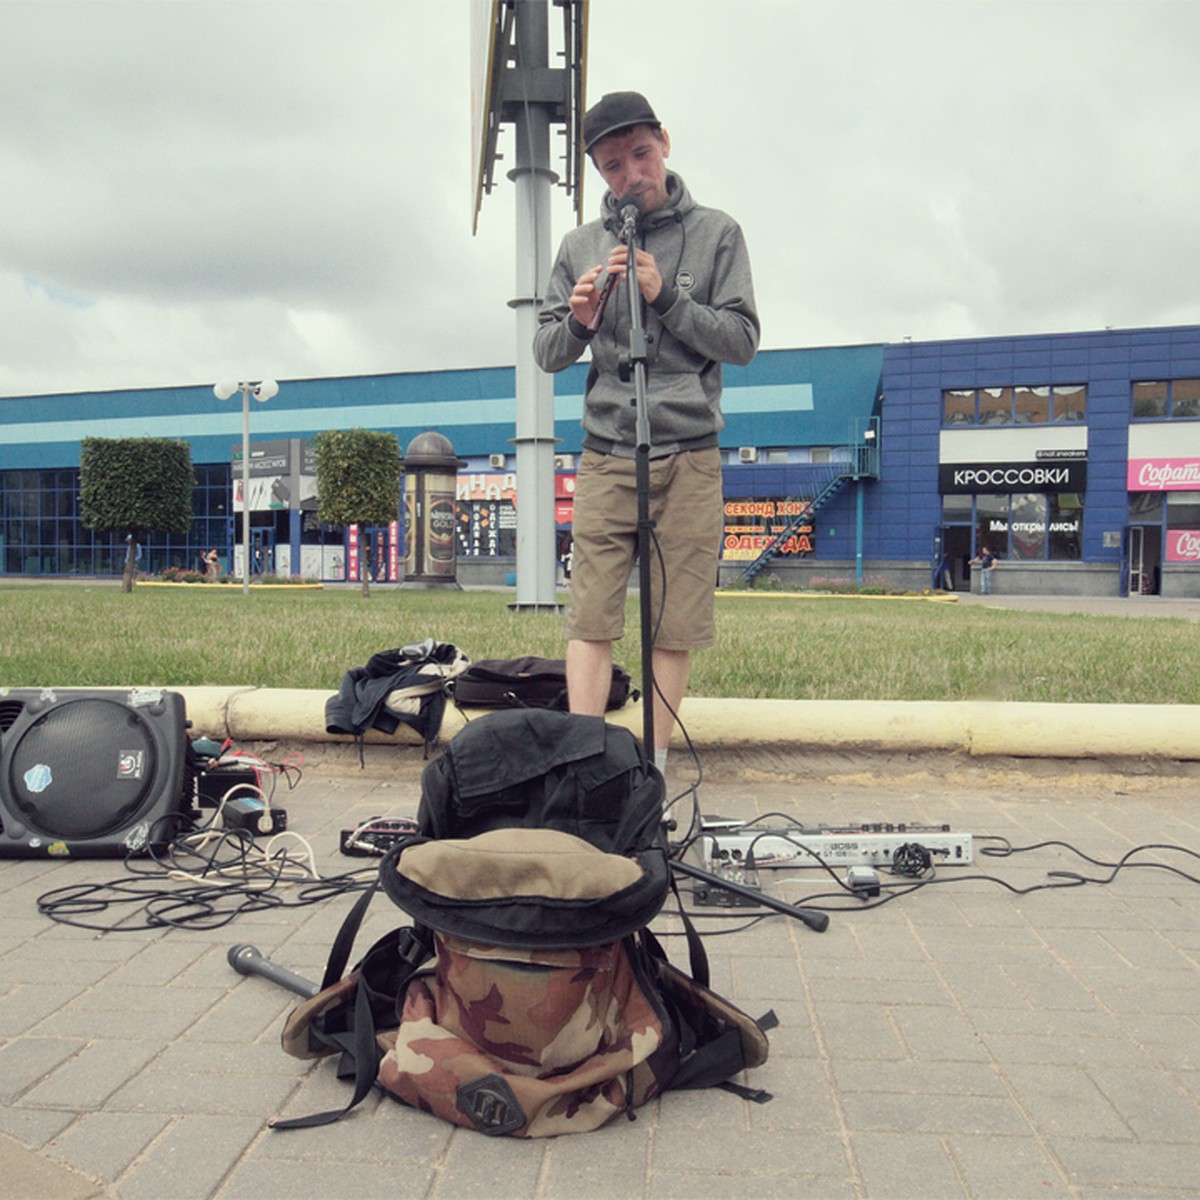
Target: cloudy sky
{"x":196,"y":189}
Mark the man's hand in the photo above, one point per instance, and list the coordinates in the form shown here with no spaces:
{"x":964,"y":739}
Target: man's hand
{"x":584,"y":296}
{"x":649,"y":280}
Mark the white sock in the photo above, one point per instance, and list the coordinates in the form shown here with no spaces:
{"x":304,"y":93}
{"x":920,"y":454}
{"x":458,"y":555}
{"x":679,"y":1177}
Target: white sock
{"x":660,"y":759}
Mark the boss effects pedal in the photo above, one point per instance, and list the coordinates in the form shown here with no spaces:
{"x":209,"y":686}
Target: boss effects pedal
{"x":869,"y":845}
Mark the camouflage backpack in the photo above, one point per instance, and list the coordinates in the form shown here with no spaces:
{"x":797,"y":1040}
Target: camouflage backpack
{"x":527,"y":997}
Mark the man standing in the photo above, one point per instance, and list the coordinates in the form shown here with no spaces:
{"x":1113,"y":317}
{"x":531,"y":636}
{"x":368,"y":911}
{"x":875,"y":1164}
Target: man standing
{"x":693,"y":273}
{"x":986,"y":561}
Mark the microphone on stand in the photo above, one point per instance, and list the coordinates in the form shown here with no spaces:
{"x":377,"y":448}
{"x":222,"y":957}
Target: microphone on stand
{"x":631,"y":208}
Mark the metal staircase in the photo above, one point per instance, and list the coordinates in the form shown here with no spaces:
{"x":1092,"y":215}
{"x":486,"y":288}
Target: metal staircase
{"x":860,"y":462}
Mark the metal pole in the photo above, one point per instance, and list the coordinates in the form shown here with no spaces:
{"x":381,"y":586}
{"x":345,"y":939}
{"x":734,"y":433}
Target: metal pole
{"x":246,"y":488}
{"x":535,"y":440}
{"x":858,"y":531}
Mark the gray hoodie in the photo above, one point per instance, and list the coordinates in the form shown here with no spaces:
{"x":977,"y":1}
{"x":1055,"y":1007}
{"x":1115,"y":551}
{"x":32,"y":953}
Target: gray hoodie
{"x":704,"y":316}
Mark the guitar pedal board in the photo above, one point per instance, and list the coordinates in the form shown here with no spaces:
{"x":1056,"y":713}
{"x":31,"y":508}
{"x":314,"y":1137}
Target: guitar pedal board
{"x":759,"y":847}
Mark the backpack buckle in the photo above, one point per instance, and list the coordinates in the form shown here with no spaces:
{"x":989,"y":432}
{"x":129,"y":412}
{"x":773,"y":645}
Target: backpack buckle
{"x":414,"y":947}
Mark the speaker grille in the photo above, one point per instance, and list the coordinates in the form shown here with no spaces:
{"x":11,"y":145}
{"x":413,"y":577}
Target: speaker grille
{"x":84,"y":769}
{"x":10,"y":710}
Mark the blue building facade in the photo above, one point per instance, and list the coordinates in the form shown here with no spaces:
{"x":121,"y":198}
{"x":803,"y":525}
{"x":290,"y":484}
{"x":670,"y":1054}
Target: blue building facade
{"x":1075,"y":457}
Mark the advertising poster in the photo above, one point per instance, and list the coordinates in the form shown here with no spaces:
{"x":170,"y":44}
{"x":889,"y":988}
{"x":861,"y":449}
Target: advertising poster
{"x":1183,"y":545}
{"x":751,"y":524}
{"x":486,"y":524}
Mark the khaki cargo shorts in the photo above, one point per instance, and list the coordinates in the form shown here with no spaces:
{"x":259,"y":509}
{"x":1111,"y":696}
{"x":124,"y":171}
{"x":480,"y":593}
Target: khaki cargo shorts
{"x":686,"y":509}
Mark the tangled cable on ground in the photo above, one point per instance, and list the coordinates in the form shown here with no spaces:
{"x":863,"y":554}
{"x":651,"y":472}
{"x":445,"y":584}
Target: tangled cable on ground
{"x":205,"y":877}
{"x":912,"y":860}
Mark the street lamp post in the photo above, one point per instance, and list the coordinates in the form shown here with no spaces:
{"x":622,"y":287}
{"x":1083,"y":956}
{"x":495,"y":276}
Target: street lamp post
{"x":262,"y":392}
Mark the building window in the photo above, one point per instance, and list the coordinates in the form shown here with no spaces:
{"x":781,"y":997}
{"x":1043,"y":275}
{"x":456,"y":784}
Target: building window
{"x":1145,"y":507}
{"x":1183,"y":510}
{"x":1069,"y":402}
{"x":1185,"y":398}
{"x":41,"y":534}
{"x":956,"y":510}
{"x":1166,"y":399}
{"x":1064,"y":517}
{"x":991,"y":524}
{"x":1032,"y":405}
{"x":1026,"y":404}
{"x":995,"y":406}
{"x":958,"y":406}
{"x":1026,"y":526}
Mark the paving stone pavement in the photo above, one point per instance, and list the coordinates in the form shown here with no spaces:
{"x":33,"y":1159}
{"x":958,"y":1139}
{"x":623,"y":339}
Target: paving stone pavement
{"x":962,"y":1041}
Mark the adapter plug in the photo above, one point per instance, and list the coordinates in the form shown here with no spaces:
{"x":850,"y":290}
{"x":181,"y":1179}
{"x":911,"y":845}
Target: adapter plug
{"x":862,"y":881}
{"x":252,"y":815}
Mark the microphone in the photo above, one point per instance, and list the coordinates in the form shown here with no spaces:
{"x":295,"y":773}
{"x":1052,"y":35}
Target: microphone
{"x":631,"y":208}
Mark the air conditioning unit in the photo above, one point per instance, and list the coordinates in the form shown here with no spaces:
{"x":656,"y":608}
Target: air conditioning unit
{"x":747,"y":454}
{"x":497,"y":460}
{"x":564,"y":462}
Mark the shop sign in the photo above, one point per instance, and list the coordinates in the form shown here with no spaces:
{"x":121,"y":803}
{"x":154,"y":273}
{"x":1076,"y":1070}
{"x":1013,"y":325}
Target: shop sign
{"x":283,"y":474}
{"x":494,"y":486}
{"x":393,"y":561}
{"x":486,"y":527}
{"x":750,"y":525}
{"x":1163,"y":475}
{"x":478,"y":486}
{"x":1068,"y":526}
{"x":266,"y":458}
{"x":1183,"y":545}
{"x":1058,"y":475}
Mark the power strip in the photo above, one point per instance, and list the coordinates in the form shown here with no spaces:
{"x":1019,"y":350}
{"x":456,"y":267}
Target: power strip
{"x":781,"y":847}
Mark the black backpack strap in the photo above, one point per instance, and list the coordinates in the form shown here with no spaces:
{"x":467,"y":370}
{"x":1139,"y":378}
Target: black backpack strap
{"x":697,"y":955}
{"x":712,"y":1063}
{"x":343,"y":943}
{"x":706,"y":1060}
{"x":360,"y":1051}
{"x":756,"y":1095}
{"x":400,"y":958}
{"x":360,"y":1044}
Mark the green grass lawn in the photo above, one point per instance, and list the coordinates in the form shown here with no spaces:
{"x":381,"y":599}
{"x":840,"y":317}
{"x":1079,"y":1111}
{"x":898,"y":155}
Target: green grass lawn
{"x":75,"y":635}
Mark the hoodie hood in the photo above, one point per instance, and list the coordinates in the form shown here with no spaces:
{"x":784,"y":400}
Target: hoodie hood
{"x":679,"y":200}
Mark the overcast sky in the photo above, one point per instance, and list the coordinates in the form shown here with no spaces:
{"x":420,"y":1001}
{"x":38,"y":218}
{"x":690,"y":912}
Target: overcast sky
{"x":199,"y":189}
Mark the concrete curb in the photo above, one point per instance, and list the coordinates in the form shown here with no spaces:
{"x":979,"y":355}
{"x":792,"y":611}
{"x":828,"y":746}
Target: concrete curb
{"x":978,"y":728}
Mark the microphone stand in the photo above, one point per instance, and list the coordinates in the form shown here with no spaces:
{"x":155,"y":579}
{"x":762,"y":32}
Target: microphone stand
{"x":633,"y":362}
